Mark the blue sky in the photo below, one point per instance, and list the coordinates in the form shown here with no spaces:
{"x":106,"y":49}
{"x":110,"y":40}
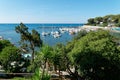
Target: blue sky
{"x":55,"y":11}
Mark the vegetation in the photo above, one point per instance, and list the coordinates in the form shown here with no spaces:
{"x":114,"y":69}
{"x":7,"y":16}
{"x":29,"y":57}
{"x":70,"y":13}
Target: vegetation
{"x":95,"y":57}
{"x":88,"y":56}
{"x":4,"y":43}
{"x":10,"y":58}
{"x":16,"y":78}
{"x":28,"y":40}
{"x":46,"y":56}
{"x":59,"y":60}
{"x":39,"y":75}
{"x":108,"y":20}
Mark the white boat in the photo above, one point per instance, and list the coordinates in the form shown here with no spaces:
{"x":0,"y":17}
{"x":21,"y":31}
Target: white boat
{"x":52,"y":33}
{"x":62,"y":30}
{"x":56,"y":35}
{"x":45,"y":33}
{"x":56,"y":32}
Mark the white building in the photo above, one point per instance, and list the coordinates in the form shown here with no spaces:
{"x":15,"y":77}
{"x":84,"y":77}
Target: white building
{"x":1,"y":38}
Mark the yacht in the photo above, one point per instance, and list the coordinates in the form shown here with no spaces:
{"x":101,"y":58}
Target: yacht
{"x":45,"y":33}
{"x":56,"y":35}
{"x":62,"y":30}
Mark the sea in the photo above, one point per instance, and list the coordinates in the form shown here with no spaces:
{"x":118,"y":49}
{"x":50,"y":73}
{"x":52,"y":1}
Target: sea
{"x":7,"y":31}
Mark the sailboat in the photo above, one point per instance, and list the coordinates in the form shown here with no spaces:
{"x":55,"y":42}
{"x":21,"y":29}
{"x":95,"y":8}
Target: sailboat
{"x":44,"y":33}
{"x":55,"y":34}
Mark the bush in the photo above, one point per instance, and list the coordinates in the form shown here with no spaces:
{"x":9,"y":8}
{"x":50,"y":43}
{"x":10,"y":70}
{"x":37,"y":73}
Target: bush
{"x":38,"y":75}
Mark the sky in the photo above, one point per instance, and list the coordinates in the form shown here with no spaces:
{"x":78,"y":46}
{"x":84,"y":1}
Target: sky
{"x":55,"y":11}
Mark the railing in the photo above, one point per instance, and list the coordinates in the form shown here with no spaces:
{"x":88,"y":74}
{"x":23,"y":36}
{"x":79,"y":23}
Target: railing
{"x":11,"y":75}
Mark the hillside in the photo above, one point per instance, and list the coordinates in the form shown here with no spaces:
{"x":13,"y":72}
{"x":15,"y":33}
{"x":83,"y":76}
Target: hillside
{"x":108,"y":20}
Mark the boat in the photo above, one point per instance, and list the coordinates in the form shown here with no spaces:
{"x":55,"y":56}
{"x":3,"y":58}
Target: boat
{"x":45,"y":33}
{"x":62,"y":30}
{"x":56,"y":35}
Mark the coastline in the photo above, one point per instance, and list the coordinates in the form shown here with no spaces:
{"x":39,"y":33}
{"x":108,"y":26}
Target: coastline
{"x":93,"y":28}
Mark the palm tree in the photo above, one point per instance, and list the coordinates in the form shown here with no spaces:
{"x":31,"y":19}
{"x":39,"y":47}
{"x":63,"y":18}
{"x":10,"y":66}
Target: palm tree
{"x":46,"y":57}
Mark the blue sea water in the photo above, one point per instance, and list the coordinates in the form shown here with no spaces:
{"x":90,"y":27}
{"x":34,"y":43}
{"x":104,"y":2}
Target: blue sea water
{"x":8,"y":32}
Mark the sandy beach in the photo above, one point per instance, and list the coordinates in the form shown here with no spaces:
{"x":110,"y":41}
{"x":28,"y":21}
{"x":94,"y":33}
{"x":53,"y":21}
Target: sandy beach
{"x":93,"y":28}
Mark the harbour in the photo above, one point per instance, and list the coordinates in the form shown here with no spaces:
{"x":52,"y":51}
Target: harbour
{"x":51,"y":34}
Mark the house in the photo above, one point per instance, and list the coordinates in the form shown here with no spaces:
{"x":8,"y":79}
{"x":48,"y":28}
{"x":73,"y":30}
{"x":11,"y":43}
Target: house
{"x":1,"y":38}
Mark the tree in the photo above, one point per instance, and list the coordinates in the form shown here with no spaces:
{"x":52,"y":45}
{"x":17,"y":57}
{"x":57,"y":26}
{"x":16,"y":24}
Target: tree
{"x":28,"y":40}
{"x":96,"y":57}
{"x":41,"y":62}
{"x":106,"y":20}
{"x":69,"y":47}
{"x":4,"y":43}
{"x":58,"y":57}
{"x":91,"y":21}
{"x":10,"y":58}
{"x":80,"y":35}
{"x":46,"y":53}
{"x":97,"y":20}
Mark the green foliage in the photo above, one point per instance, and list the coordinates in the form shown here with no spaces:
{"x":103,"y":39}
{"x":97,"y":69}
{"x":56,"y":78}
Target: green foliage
{"x":38,"y":75}
{"x":46,"y":52}
{"x":42,"y":58}
{"x":28,"y":40}
{"x":91,"y":21}
{"x":4,"y":43}
{"x":118,"y":24}
{"x":9,"y":56}
{"x":80,"y":34}
{"x":105,"y":24}
{"x":37,"y":62}
{"x":96,"y":56}
{"x":58,"y":57}
{"x":114,"y":20}
{"x":97,"y":20}
{"x":46,"y":76}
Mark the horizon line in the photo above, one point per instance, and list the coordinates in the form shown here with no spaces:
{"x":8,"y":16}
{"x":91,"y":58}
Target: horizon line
{"x":39,"y":23}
